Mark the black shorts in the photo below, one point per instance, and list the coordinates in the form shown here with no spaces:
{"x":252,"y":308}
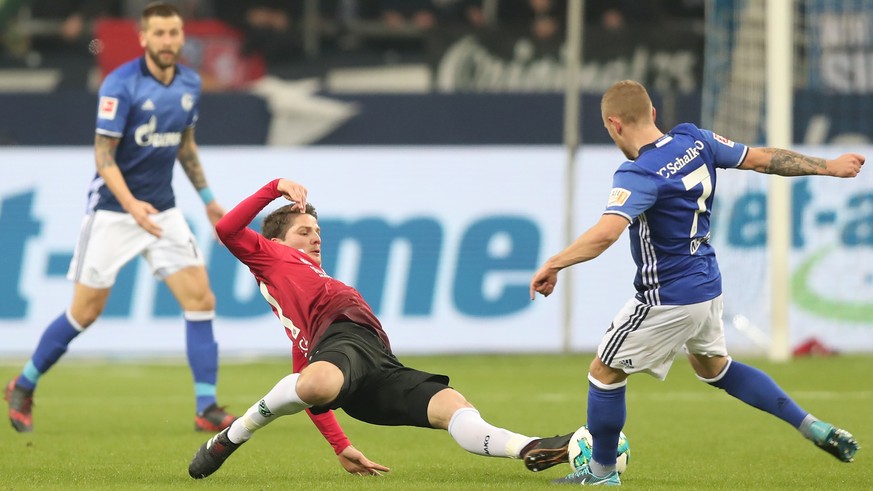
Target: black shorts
{"x":377,"y":388}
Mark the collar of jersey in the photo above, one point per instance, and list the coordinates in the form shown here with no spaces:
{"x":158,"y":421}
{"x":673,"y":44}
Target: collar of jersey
{"x":654,"y":144}
{"x":144,"y":68}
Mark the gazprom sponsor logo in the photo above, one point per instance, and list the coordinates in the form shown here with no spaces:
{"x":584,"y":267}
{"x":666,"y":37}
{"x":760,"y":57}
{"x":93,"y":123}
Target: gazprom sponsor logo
{"x":146,"y":136}
{"x":680,"y":162}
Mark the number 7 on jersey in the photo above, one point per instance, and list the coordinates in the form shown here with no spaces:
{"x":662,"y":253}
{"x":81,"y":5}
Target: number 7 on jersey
{"x":699,"y":175}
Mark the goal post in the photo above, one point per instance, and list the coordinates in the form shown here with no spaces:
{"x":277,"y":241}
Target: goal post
{"x":783,"y":73}
{"x":748,"y":96}
{"x":779,"y":99}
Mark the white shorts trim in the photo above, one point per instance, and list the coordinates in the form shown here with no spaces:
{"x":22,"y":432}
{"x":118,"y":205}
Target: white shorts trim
{"x":199,"y":315}
{"x":108,"y":240}
{"x":720,"y":374}
{"x":646,"y":338}
{"x":602,"y":386}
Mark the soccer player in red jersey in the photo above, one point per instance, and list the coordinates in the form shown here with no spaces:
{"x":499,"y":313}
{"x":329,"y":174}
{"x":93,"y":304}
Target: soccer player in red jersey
{"x":342,"y":356}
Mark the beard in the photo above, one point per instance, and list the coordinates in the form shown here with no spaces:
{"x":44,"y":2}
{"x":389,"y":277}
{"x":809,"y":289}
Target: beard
{"x":158,"y":58}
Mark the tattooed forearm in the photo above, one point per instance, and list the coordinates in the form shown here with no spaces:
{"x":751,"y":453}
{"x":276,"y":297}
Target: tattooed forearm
{"x":191,"y":164}
{"x":190,"y":160}
{"x":788,"y":163}
{"x":104,"y":151}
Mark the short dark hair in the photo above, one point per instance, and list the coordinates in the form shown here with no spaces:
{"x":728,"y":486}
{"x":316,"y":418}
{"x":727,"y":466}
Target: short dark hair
{"x":159,"y":9}
{"x":278,"y":222}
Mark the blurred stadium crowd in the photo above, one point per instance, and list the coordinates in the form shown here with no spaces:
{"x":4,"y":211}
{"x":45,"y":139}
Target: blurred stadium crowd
{"x":299,"y":38}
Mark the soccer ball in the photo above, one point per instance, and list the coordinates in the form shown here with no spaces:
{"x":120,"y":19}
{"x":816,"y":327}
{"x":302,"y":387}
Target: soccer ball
{"x":579,"y":451}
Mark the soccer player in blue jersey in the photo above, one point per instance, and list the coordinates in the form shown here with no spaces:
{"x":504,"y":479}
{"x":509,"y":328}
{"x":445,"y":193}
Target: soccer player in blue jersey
{"x":145,"y":121}
{"x":664,"y":192}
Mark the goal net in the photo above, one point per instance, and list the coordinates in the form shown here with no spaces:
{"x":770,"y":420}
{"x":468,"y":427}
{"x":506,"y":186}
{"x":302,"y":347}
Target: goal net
{"x":832,"y":77}
{"x":833,"y":66}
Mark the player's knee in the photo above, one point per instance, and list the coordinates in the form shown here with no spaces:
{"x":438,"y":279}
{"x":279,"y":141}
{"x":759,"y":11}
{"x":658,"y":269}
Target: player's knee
{"x":201,"y":301}
{"x":604,"y":373}
{"x":451,"y":399}
{"x":87,"y":305}
{"x":443,"y":405}
{"x":85,"y":315}
{"x":319,"y":383}
{"x":708,"y":368}
{"x":207,"y":301}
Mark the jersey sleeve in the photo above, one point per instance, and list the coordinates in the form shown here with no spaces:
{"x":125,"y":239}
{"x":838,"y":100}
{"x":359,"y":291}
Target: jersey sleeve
{"x":633,"y":192}
{"x":727,"y":153}
{"x":250,"y":247}
{"x":112,"y":107}
{"x":330,"y":429}
{"x":326,"y":423}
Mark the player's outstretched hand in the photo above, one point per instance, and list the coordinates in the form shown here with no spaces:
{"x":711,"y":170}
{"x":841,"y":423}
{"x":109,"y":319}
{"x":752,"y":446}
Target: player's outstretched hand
{"x":355,"y":462}
{"x":140,"y":211}
{"x":293,"y":192}
{"x":544,"y":281}
{"x":846,"y":165}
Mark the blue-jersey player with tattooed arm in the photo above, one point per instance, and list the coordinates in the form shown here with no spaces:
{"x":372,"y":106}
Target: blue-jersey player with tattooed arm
{"x":663,"y":195}
{"x":145,"y":122}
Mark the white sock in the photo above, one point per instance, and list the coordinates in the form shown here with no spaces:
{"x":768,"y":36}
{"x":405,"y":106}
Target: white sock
{"x":477,"y":436}
{"x":282,"y":400}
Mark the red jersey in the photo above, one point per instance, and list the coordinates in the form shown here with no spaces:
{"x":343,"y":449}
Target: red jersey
{"x":304,"y":298}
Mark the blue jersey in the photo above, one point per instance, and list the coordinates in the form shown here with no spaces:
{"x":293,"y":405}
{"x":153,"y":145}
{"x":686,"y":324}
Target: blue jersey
{"x":667,"y":194}
{"x":149,"y":118}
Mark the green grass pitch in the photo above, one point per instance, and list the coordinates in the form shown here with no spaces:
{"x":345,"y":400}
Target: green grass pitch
{"x":129,"y":426}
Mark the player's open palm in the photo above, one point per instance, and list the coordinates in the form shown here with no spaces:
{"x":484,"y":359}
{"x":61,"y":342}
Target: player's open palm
{"x":293,"y":192}
{"x":355,"y":462}
{"x":846,"y":165}
{"x":140,"y":211}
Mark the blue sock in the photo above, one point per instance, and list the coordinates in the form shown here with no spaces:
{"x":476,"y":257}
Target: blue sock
{"x":757,"y":389}
{"x":202,"y":353}
{"x":51,"y":347}
{"x":606,"y":416}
